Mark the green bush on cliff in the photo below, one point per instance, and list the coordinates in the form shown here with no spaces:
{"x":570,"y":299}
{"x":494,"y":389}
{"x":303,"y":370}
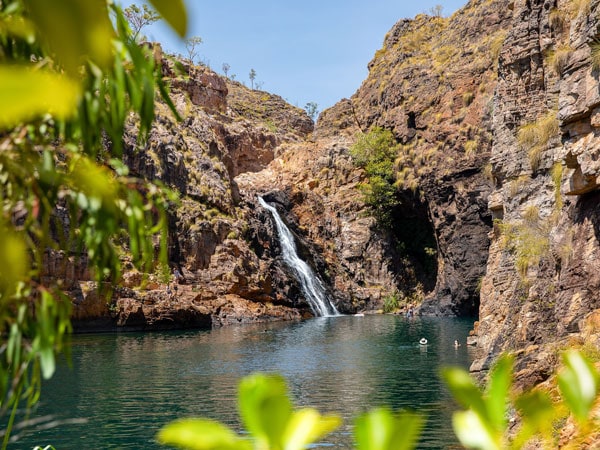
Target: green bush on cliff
{"x":534,"y":137}
{"x":391,"y":302}
{"x":527,"y":239}
{"x":376,"y":152}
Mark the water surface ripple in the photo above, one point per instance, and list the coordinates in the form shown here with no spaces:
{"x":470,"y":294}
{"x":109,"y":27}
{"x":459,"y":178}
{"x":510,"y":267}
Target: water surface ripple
{"x":128,"y":385}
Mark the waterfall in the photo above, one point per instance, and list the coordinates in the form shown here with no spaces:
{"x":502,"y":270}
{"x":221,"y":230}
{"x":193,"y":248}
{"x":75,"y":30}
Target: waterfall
{"x":312,"y":286}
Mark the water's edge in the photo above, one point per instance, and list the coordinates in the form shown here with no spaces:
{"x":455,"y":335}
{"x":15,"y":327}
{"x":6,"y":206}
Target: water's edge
{"x":128,"y":385}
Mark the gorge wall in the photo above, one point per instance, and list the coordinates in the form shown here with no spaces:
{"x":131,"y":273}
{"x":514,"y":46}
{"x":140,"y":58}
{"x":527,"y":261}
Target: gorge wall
{"x":496,"y":111}
{"x":541,"y":290}
{"x":432,"y":84}
{"x":224,"y":248}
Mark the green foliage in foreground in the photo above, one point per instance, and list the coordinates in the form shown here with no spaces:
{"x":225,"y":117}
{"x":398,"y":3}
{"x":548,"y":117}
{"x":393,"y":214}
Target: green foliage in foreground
{"x":272,"y":424}
{"x":376,"y":152}
{"x":71,"y":77}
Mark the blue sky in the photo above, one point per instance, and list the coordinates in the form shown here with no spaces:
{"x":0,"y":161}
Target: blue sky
{"x":304,"y":51}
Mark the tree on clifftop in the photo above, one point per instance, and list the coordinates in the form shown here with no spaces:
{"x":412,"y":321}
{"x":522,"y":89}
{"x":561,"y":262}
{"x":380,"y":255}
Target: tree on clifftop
{"x":191,"y":45}
{"x":226,"y":68}
{"x":311,"y":109}
{"x":139,"y":18}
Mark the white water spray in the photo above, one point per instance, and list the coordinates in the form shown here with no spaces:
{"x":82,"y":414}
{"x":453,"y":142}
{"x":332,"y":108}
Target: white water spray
{"x":312,"y":286}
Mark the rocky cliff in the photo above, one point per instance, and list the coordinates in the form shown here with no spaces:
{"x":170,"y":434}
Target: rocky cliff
{"x":496,"y":109}
{"x":496,"y":112}
{"x":225,"y":248}
{"x":541,"y":290}
{"x":431,"y":84}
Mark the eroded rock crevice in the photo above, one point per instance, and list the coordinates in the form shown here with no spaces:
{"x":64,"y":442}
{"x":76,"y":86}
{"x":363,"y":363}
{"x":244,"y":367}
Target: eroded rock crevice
{"x":540,"y":292}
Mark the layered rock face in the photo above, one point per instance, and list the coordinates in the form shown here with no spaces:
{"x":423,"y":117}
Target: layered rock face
{"x":432,"y":84}
{"x":496,"y":110}
{"x":542,"y":284}
{"x":225,"y":250}
{"x":235,"y":144}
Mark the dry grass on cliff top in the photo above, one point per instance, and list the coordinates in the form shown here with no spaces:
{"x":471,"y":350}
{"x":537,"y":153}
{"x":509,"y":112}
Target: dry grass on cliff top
{"x":273,"y":111}
{"x":442,"y":72}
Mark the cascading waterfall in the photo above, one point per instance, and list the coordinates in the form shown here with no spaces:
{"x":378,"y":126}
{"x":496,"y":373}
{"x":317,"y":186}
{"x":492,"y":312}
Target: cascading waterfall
{"x":312,"y":286}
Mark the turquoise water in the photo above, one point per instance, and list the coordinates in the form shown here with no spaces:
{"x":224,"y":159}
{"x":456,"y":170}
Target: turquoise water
{"x":126,"y":386}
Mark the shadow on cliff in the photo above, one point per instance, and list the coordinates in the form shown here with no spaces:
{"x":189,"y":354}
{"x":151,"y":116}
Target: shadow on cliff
{"x":588,"y":209}
{"x":411,"y":244}
{"x":579,"y":273}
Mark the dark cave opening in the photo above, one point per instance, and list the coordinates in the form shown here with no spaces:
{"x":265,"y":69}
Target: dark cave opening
{"x":412,"y":243}
{"x":411,"y":120}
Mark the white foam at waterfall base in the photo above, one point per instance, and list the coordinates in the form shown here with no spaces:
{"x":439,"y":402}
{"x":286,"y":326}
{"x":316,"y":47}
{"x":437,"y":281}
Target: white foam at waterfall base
{"x":311,"y":285}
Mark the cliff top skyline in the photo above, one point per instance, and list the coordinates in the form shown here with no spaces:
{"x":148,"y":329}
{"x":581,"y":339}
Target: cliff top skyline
{"x":312,"y":51}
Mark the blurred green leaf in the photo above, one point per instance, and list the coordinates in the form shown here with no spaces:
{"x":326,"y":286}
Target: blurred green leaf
{"x":17,"y":26}
{"x":537,"y":415}
{"x":473,"y":432}
{"x":484,"y":424}
{"x":74,"y":30}
{"x":464,"y":389}
{"x":498,"y":390}
{"x":536,"y":407}
{"x":93,"y":180}
{"x":200,"y":434}
{"x":380,"y":429}
{"x":578,"y":383}
{"x":47,"y":361}
{"x":13,"y":345}
{"x":44,"y":341}
{"x":265,"y":408}
{"x":26,"y":94}
{"x":307,"y":426}
{"x":371,"y":430}
{"x":173,"y":11}
{"x":14,"y":260}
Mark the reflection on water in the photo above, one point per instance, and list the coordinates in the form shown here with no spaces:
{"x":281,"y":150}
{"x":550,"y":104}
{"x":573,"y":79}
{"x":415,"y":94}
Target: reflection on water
{"x":129,"y":385}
